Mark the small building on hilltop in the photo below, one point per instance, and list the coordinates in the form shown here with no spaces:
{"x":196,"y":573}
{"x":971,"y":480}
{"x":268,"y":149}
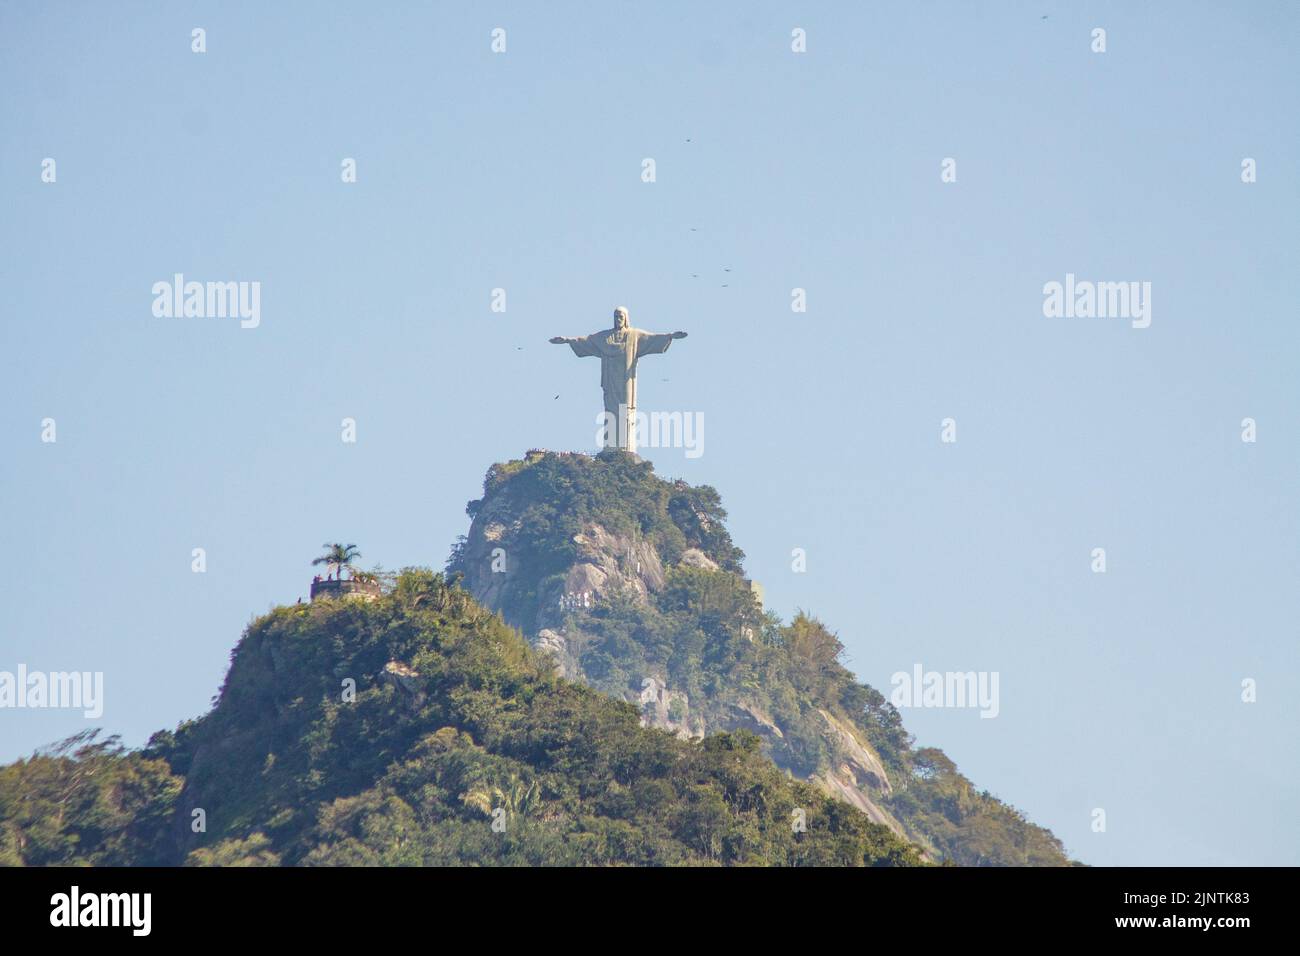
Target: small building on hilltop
{"x":336,"y":588}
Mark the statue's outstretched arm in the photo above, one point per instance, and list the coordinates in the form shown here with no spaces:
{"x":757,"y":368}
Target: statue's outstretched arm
{"x":582,"y":345}
{"x":653,"y":343}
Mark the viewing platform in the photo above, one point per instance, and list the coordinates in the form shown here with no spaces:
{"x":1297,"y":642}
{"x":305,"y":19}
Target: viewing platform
{"x":337,"y":588}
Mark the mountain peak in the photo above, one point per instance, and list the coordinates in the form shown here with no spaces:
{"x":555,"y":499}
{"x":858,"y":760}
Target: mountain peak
{"x":632,"y":584}
{"x":417,"y":727}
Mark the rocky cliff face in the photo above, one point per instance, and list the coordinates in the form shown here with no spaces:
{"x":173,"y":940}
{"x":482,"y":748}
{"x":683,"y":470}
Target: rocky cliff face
{"x":626,"y":567}
{"x":632,"y":584}
{"x":603,"y":564}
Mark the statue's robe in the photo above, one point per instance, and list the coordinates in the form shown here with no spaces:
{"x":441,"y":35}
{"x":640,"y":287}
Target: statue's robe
{"x":618,"y":353}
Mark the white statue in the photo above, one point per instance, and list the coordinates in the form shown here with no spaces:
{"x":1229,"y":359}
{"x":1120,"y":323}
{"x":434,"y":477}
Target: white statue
{"x":618,"y":349}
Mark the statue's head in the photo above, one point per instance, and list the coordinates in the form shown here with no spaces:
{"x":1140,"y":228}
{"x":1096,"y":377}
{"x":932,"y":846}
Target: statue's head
{"x":620,"y":318}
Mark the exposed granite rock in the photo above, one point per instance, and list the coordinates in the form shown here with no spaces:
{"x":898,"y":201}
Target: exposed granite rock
{"x":860,"y":763}
{"x":838,"y":786}
{"x":858,"y":776}
{"x":608,"y":563}
{"x":555,"y":646}
{"x":750,"y":718}
{"x":695,"y":558}
{"x":667,"y":709}
{"x":406,"y":680}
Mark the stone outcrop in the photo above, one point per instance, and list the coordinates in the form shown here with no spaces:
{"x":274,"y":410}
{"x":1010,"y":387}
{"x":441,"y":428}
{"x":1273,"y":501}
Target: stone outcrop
{"x":668,"y":710}
{"x":695,"y":558}
{"x":554,"y":645}
{"x":407,"y":682}
{"x":858,"y":776}
{"x":860,"y":762}
{"x":608,"y":563}
{"x":748,"y":717}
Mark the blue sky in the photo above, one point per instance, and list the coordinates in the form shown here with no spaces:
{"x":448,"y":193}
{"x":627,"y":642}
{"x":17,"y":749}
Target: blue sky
{"x":821,"y":171}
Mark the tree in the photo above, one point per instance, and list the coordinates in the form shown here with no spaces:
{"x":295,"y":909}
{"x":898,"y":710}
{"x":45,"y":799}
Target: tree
{"x":809,"y":639}
{"x":337,"y":556}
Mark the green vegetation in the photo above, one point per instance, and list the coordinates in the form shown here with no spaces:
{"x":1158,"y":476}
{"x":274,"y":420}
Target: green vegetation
{"x":399,"y":731}
{"x":705,"y":634}
{"x":556,"y":497}
{"x":454,"y":723}
{"x":89,"y":802}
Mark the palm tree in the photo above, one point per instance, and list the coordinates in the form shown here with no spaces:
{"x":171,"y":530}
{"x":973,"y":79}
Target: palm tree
{"x":338,"y":556}
{"x":517,"y":797}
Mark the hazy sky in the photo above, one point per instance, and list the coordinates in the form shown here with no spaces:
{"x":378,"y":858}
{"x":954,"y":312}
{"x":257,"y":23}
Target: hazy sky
{"x":522,"y":170}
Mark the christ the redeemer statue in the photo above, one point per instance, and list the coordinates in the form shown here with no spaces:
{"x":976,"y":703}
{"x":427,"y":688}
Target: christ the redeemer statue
{"x":618,"y":349}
